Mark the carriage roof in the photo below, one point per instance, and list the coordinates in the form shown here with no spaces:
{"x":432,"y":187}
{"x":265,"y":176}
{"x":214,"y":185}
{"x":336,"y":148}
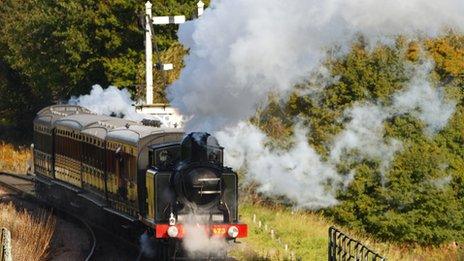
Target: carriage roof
{"x":49,"y":115}
{"x":82,"y":122}
{"x":136,"y":133}
{"x":105,"y":127}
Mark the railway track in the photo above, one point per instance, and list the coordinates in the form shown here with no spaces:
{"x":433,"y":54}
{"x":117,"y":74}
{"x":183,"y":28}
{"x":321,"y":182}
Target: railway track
{"x":23,"y":187}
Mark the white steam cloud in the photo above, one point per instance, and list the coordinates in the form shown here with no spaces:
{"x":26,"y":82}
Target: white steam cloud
{"x":240,"y":50}
{"x":364,"y":135}
{"x":109,"y":101}
{"x":424,"y":102}
{"x":365,"y":131}
{"x":113,"y":102}
{"x":197,"y":241}
{"x":301,"y":175}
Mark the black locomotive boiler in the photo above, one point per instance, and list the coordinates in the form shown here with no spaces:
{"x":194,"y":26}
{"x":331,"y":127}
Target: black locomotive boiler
{"x":134,"y":179}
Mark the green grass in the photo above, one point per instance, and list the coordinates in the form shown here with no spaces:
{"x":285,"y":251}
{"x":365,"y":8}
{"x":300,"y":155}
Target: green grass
{"x":306,"y":236}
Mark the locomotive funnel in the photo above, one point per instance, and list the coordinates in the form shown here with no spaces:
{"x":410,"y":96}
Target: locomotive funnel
{"x":198,"y":178}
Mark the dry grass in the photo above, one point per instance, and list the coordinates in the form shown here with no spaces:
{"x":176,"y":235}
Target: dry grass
{"x":306,"y":234}
{"x":30,"y":235}
{"x":14,"y":160}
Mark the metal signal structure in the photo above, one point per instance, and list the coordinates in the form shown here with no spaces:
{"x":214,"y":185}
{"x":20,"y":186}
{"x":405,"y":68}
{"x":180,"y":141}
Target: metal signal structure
{"x":342,"y":247}
{"x":168,"y":114}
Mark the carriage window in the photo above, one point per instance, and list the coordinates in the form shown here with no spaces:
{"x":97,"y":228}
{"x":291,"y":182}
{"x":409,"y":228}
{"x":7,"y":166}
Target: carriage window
{"x":166,"y":157}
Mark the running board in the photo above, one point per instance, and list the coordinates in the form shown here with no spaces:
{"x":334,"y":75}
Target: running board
{"x":70,"y":187}
{"x":112,"y":211}
{"x":93,"y":199}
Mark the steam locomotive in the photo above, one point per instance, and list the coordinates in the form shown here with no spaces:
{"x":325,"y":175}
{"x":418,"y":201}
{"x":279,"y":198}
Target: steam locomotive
{"x":132,"y":178}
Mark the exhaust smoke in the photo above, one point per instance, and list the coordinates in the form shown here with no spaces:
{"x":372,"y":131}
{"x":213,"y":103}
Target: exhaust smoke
{"x":240,"y":51}
{"x":113,"y":102}
{"x":197,"y":241}
{"x":311,"y":181}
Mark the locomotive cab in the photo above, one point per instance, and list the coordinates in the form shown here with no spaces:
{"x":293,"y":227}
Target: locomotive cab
{"x":188,"y":179}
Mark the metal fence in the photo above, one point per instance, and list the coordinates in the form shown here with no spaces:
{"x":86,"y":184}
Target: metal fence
{"x":342,"y":247}
{"x":5,"y":245}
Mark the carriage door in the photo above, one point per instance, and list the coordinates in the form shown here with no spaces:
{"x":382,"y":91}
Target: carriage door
{"x":121,"y":173}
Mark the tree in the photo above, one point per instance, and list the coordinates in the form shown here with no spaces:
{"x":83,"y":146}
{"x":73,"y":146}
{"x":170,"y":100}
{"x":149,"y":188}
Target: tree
{"x":420,"y":198}
{"x":61,"y":48}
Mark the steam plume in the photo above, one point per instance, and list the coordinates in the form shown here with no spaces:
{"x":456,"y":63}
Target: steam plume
{"x":240,"y":50}
{"x":424,"y":102}
{"x":302,"y":176}
{"x":365,"y":131}
{"x":197,"y":241}
{"x":299,"y":174}
{"x":112,"y":102}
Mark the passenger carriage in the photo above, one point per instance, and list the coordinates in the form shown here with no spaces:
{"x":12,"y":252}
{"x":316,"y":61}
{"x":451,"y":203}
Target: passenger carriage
{"x":75,"y":147}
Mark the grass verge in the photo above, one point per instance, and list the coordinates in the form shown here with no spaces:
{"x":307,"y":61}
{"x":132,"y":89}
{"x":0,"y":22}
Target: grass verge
{"x":30,"y":235}
{"x":306,"y":234}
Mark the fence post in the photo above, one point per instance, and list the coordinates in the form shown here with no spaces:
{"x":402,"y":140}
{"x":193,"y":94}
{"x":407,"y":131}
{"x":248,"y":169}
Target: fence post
{"x":32,"y":167}
{"x":330,"y":249}
{"x":5,"y":246}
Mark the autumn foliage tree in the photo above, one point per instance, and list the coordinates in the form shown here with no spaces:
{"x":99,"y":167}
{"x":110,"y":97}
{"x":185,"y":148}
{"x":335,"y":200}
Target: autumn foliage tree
{"x":420,"y":197}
